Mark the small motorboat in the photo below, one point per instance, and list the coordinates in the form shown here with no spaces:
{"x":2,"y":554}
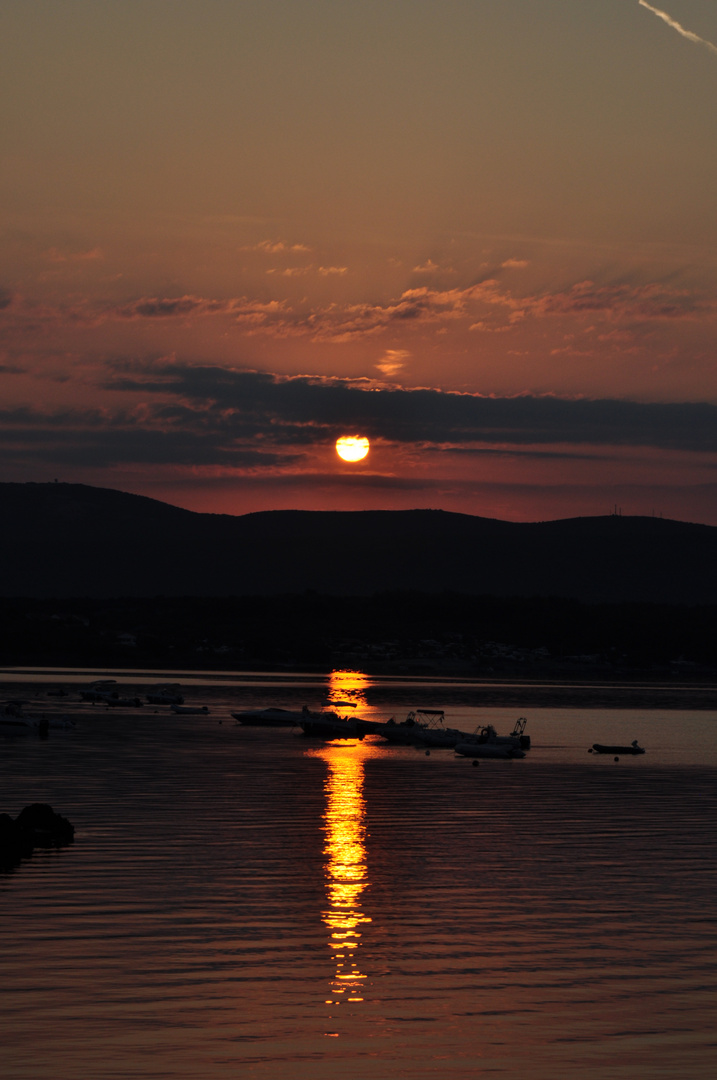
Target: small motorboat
{"x":189,"y":710}
{"x":602,"y":748}
{"x":486,"y":742}
{"x":15,"y":721}
{"x":329,"y":725}
{"x":110,"y":698}
{"x":166,"y":696}
{"x":422,"y":727}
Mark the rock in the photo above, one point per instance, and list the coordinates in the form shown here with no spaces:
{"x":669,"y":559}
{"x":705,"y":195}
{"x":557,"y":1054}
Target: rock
{"x":36,"y":826}
{"x":14,"y":843}
{"x":46,"y":828}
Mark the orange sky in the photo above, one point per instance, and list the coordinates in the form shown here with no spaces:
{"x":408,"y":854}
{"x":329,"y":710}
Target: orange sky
{"x":481,"y":234}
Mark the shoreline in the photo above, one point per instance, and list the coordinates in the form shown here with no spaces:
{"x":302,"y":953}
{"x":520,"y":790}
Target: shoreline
{"x":451,"y":691}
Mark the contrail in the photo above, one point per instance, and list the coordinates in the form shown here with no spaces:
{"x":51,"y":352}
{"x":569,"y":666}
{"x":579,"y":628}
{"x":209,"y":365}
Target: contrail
{"x":676,"y":26}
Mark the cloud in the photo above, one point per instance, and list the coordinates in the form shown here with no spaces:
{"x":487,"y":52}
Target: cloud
{"x":634,"y":302}
{"x":485,"y":305}
{"x":514,"y":264}
{"x":286,"y":410}
{"x":212,"y":418}
{"x":275,"y":247}
{"x":154,"y":307}
{"x":95,"y":439}
{"x":678,"y":27}
{"x":326,"y":271}
{"x":291,"y":271}
{"x":392,"y":361}
{"x":429,"y":267}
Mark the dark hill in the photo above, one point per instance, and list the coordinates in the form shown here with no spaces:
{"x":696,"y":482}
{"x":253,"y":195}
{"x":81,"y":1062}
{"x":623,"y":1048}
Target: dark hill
{"x":67,"y":540}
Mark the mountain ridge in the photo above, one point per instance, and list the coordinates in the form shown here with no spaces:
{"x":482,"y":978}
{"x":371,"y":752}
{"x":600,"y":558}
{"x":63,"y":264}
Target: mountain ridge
{"x":67,"y":540}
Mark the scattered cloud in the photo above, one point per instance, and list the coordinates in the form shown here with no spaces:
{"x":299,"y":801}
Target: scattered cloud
{"x":326,"y":271}
{"x":514,"y":264}
{"x":275,"y":247}
{"x":486,"y":306}
{"x":255,"y":422}
{"x":155,"y":307}
{"x":678,"y":27}
{"x":292,"y":271}
{"x":393,"y":361}
{"x":305,"y":408}
{"x":429,"y":267}
{"x":626,"y":301}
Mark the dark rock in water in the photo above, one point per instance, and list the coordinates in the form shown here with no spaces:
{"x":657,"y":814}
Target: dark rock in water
{"x":46,"y":828}
{"x":36,"y":826}
{"x":14,"y":843}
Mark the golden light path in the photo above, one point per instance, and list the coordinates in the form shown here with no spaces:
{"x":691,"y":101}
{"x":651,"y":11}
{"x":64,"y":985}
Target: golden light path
{"x":348,"y":686}
{"x":346,"y":867}
{"x":352,"y":447}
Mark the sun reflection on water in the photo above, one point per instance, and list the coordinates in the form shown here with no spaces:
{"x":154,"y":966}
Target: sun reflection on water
{"x":346,"y":866}
{"x":348,"y":686}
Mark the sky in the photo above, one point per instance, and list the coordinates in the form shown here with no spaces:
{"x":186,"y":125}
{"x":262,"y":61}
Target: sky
{"x":481,"y":233}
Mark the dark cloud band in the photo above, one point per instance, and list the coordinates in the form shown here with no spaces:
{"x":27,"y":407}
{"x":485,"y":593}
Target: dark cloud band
{"x":206,"y":416}
{"x":305,"y":409}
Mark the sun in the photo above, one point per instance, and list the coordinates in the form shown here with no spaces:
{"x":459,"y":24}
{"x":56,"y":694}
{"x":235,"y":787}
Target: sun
{"x":352,"y":447}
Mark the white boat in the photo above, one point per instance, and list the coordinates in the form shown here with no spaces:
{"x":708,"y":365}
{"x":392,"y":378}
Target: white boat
{"x":422,"y":727}
{"x":329,"y":725}
{"x":487,"y":743}
{"x":165,"y":697}
{"x":15,"y":721}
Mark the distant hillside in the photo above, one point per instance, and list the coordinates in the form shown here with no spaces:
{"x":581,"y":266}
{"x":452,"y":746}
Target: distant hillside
{"x":67,"y":540}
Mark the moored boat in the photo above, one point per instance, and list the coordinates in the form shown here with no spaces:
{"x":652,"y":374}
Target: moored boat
{"x":329,"y":725}
{"x":165,"y":697}
{"x":18,"y":722}
{"x":603,"y":748}
{"x":486,"y":742}
{"x":422,"y":727}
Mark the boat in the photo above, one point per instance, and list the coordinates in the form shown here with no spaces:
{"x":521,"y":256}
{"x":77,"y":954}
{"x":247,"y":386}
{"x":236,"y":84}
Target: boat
{"x":96,"y":697}
{"x":13,"y":719}
{"x":109,"y":697}
{"x":602,"y":748}
{"x":422,"y":727}
{"x":271,"y":717}
{"x":190,"y":710}
{"x":486,"y":742}
{"x":15,"y":722}
{"x":165,"y":697}
{"x":472,"y":748}
{"x":329,"y":725}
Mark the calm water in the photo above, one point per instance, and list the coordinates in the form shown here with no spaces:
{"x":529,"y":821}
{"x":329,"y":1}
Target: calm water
{"x":249,"y":903}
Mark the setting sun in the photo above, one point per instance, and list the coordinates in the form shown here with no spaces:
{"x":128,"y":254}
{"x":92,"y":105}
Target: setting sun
{"x":352,"y":447}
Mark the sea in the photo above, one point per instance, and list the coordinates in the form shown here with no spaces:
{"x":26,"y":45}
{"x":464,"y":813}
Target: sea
{"x":244,"y":902}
